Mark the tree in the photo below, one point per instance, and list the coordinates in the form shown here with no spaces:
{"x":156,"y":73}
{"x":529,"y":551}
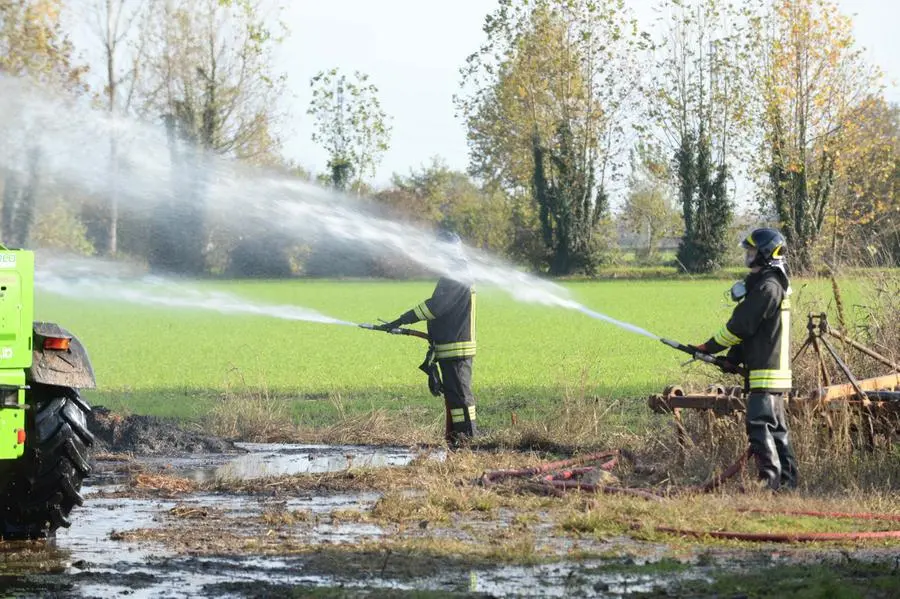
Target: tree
{"x":19,"y":199}
{"x":544,"y":106}
{"x":563,"y":187}
{"x":112,"y":24}
{"x":59,"y":228}
{"x":699,"y":111}
{"x":208,"y":66}
{"x":350,"y":125}
{"x":705,"y":207}
{"x":207,"y":72}
{"x":33,"y":46}
{"x":813,"y":81}
{"x":864,"y":222}
{"x":441,"y":197}
{"x":648,"y":211}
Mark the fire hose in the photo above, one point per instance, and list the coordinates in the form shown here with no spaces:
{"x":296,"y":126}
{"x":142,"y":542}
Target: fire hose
{"x":397,"y":331}
{"x":613,"y":458}
{"x":554,"y":478}
{"x":717,"y":361}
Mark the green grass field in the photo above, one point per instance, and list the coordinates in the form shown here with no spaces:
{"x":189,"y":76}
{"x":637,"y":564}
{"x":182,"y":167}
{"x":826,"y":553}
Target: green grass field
{"x":177,"y":361}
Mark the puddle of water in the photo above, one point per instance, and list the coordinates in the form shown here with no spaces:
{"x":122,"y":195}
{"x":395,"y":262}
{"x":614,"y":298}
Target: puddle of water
{"x":565,"y":580}
{"x":319,"y":504}
{"x":96,"y":566}
{"x":242,"y":505}
{"x":88,"y":539}
{"x":262,"y":460}
{"x":202,"y":576}
{"x":320,"y":532}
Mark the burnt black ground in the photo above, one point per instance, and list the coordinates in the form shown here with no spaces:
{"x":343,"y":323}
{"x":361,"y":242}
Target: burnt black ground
{"x":150,"y":435}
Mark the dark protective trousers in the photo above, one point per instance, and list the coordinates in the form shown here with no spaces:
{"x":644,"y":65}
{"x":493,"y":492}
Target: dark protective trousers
{"x":459,"y":401}
{"x":769,"y":442}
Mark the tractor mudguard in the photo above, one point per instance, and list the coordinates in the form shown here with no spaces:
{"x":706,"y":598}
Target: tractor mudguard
{"x":63,"y":368}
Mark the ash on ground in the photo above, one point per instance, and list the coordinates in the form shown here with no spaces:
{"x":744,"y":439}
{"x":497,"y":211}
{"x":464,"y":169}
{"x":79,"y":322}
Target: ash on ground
{"x":150,"y":435}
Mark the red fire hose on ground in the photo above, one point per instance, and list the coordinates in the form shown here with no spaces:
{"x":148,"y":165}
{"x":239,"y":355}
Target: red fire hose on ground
{"x":554,"y":478}
{"x":795,"y":537}
{"x":612,"y":458}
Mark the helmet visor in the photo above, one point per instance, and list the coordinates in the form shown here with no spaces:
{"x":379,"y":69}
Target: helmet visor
{"x":749,"y":257}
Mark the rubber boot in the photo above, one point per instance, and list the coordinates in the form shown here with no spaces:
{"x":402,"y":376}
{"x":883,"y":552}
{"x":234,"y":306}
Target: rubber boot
{"x":459,"y":401}
{"x":761,"y":423}
{"x":782,"y":440}
{"x":461,"y":433}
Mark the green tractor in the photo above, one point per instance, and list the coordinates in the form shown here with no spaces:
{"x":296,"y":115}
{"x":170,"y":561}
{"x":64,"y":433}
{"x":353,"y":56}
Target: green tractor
{"x":44,"y":437}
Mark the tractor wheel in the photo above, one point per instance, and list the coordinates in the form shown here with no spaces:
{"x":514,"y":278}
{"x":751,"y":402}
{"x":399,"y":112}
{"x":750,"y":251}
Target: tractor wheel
{"x":44,"y":485}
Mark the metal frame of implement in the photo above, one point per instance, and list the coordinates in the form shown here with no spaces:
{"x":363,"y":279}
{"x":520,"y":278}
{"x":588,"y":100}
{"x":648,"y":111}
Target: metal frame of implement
{"x":873,"y":397}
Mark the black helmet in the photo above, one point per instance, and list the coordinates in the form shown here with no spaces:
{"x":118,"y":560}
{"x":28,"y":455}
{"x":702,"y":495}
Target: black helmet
{"x":768,"y":243}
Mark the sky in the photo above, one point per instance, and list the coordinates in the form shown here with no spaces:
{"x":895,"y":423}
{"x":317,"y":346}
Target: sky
{"x":413,"y":49}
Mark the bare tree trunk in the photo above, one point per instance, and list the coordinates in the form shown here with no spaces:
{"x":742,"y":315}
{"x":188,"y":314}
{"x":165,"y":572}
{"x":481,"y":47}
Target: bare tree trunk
{"x":111,"y":42}
{"x":25,"y":214}
{"x":11,"y":192}
{"x":113,"y":233}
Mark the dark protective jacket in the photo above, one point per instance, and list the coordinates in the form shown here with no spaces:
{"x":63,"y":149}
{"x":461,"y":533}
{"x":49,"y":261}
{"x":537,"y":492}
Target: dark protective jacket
{"x":450,"y":312}
{"x":759,"y":332}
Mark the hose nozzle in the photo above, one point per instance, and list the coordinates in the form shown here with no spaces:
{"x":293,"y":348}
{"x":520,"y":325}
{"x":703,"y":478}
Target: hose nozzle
{"x":674,"y":344}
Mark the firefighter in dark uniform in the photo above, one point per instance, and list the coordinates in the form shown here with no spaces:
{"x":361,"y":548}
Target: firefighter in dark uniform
{"x":758,"y":336}
{"x":450,"y":314}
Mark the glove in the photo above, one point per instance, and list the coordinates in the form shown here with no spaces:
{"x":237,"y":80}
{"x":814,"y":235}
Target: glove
{"x":389,"y":326}
{"x":728,"y":367}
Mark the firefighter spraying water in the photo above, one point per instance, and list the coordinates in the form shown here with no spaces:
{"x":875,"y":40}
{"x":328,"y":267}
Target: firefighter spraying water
{"x":450,"y":313}
{"x":758,"y":336}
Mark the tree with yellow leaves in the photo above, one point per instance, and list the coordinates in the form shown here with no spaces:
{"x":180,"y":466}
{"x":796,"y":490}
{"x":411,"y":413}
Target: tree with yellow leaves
{"x":813,"y":81}
{"x":546,"y":100}
{"x":863,"y":224}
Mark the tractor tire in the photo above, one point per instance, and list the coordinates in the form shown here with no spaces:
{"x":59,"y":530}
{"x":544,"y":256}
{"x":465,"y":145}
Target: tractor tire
{"x":45,"y":483}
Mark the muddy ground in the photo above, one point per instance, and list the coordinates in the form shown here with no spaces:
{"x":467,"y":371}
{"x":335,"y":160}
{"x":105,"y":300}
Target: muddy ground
{"x":171,"y":512}
{"x":149,"y":436}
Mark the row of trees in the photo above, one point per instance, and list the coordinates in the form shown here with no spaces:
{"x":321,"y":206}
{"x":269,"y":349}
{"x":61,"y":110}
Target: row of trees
{"x":199,"y":68}
{"x":568,"y":104}
{"x":772,"y":94}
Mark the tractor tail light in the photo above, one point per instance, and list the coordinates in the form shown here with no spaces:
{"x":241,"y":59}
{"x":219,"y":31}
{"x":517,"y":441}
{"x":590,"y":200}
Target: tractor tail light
{"x":21,"y":437}
{"x":57,"y":343}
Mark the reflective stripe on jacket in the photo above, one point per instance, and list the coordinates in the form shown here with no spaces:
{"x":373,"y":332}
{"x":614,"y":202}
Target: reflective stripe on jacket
{"x":450,"y":314}
{"x":759,"y":333}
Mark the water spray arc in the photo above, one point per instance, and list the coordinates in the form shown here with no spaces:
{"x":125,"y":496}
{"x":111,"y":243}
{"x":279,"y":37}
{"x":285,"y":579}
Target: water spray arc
{"x":622,"y":325}
{"x":164,"y":293}
{"x":78,"y":137}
